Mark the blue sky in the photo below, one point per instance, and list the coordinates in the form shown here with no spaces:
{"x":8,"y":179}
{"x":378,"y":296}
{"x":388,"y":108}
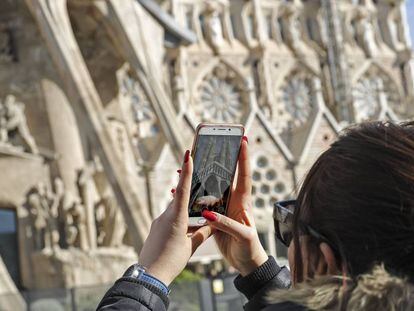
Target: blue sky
{"x":410,"y":17}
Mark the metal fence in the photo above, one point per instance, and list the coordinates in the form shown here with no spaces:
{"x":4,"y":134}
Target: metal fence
{"x":204,"y":295}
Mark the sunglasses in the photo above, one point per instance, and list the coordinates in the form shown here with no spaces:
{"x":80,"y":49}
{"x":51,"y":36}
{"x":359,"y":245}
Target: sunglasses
{"x":283,"y":212}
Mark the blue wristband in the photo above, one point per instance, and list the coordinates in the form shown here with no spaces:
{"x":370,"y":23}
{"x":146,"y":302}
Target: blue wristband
{"x":137,"y":272}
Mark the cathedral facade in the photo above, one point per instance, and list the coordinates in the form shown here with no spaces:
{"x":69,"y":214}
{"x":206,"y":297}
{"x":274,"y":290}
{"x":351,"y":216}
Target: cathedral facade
{"x":100,"y":99}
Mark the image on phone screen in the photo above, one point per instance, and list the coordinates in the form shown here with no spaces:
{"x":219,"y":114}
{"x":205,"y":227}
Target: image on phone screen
{"x":215,"y":160}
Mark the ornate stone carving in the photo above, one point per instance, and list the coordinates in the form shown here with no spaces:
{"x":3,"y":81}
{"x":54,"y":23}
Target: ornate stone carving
{"x":44,"y":209}
{"x":213,"y":25}
{"x":13,"y":120}
{"x":267,"y":188}
{"x":292,"y":28}
{"x":221,"y":96}
{"x":365,"y":32}
{"x":373,"y":92}
{"x":76,"y":226}
{"x":146,"y":124}
{"x":297,"y":102}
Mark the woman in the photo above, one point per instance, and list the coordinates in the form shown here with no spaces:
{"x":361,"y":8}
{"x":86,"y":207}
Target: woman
{"x":350,"y":233}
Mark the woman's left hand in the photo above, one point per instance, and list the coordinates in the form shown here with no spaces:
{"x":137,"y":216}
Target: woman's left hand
{"x":168,"y":248}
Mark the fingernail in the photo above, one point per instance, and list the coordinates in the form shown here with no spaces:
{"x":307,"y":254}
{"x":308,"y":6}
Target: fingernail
{"x":209,"y":215}
{"x":173,"y":190}
{"x":179,"y":171}
{"x":187,"y":156}
{"x":245,"y":139}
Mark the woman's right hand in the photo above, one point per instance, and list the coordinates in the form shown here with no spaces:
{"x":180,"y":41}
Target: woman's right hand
{"x":236,"y":234}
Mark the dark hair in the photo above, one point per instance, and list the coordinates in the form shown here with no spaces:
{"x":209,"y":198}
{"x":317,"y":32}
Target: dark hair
{"x":360,"y":195}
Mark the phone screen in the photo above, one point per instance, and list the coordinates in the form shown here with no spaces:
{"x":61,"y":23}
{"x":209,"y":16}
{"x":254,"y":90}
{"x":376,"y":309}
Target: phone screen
{"x":215,"y":160}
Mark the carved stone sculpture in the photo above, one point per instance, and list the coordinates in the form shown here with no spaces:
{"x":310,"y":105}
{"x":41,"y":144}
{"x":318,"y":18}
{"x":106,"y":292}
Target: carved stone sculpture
{"x":214,"y":29}
{"x":293,"y":29}
{"x":365,"y":33}
{"x":44,"y":206}
{"x":13,"y":119}
{"x":76,"y":229}
{"x":89,"y":198}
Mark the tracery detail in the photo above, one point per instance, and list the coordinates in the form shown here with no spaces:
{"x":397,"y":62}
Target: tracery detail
{"x":141,"y":110}
{"x":373,"y":92}
{"x":297,"y":102}
{"x":221,"y":96}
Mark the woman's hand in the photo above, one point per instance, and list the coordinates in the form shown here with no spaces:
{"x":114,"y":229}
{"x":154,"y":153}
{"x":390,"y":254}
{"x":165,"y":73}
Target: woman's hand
{"x":168,"y":248}
{"x":236,"y":234}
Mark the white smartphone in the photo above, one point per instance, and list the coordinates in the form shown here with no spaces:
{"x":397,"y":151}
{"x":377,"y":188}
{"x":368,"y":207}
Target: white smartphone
{"x":215,"y":152}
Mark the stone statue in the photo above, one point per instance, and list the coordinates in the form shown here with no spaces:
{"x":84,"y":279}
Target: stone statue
{"x":214,"y":29}
{"x":111,"y":225}
{"x":76,"y":228}
{"x":293,"y":29}
{"x":89,"y":198}
{"x":13,"y":119}
{"x":44,"y":208}
{"x":365,"y":33}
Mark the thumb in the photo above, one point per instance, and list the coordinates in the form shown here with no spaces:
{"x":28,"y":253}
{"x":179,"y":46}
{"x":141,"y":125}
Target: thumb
{"x":200,"y":236}
{"x":230,"y":226}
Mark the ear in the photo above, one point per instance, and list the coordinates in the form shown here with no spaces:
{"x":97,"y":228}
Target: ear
{"x":329,"y":259}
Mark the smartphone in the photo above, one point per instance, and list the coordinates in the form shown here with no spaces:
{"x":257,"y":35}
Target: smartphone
{"x":215,"y":152}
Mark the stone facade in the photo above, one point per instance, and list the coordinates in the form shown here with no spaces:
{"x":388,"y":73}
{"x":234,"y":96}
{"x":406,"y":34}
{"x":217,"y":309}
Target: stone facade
{"x":99,"y":100}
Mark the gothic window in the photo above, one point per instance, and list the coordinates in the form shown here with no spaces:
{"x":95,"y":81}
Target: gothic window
{"x":268,"y":23}
{"x":250,"y":22}
{"x":221,"y":97}
{"x":7,"y":51}
{"x":140,"y":107}
{"x":296,"y":98}
{"x":373,"y":92}
{"x":267,"y":184}
{"x":189,"y":18}
{"x":282,"y":32}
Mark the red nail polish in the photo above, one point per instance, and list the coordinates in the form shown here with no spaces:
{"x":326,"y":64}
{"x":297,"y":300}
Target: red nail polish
{"x":173,"y":190}
{"x":209,"y":215}
{"x":245,"y":139}
{"x":179,"y":171}
{"x":187,"y":156}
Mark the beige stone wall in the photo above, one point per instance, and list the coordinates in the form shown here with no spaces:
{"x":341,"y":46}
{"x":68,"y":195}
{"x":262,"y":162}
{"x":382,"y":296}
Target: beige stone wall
{"x":111,"y":109}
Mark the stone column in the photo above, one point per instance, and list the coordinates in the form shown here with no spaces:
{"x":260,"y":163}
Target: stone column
{"x":65,"y":135}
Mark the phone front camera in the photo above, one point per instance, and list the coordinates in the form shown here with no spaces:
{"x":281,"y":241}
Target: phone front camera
{"x":229,"y":129}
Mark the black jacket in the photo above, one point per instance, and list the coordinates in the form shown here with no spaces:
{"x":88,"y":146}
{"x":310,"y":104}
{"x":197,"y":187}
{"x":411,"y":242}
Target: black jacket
{"x":130,"y":294}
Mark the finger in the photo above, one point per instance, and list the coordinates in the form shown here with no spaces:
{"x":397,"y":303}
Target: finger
{"x":200,"y":236}
{"x":229,"y":226}
{"x":182,"y":194}
{"x":244,"y":180}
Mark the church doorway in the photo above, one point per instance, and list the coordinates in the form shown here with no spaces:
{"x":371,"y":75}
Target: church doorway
{"x":9,"y":244}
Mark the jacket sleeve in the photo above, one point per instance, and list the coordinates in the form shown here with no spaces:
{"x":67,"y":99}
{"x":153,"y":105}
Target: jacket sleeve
{"x":256,"y":285}
{"x":130,"y":294}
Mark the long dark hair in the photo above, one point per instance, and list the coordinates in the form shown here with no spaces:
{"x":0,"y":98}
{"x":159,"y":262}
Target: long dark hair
{"x":360,"y":195}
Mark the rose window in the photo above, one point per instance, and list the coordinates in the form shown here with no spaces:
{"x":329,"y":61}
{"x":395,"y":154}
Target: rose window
{"x":373,"y":92}
{"x":221,"y":97}
{"x":367,"y":102}
{"x":297,"y":102}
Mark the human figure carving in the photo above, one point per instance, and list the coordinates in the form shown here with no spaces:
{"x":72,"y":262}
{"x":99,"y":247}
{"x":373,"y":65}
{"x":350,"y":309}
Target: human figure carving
{"x":89,"y":198}
{"x":13,"y":119}
{"x":365,"y":33}
{"x":214,"y":29}
{"x":44,"y":205}
{"x":76,"y":229}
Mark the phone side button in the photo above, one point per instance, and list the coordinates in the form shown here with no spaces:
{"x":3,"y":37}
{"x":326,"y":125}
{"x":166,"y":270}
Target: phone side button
{"x":201,"y":221}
